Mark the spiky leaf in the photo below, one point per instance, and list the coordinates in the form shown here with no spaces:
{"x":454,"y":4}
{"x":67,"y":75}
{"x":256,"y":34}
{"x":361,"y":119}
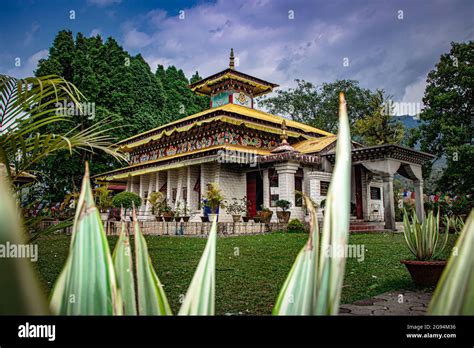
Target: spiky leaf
{"x":151,"y":296}
{"x":200,"y":297}
{"x":313,"y":286}
{"x":122,"y":257}
{"x":454,"y":294}
{"x":87,"y":285}
{"x":21,"y":294}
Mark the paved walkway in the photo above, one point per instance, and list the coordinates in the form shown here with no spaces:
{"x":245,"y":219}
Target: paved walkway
{"x":401,"y":302}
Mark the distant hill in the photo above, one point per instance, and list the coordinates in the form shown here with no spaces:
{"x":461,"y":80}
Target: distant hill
{"x":409,"y":121}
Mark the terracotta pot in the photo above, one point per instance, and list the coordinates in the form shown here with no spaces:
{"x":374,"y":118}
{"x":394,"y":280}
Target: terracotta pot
{"x":246,"y":218}
{"x":236,"y":218}
{"x":425,"y":273}
{"x":256,"y":219}
{"x":283,"y":216}
{"x":204,"y":218}
{"x":168,"y":216}
{"x":177,"y":218}
{"x":265,"y":216}
{"x":186,"y":218}
{"x":159,"y":218}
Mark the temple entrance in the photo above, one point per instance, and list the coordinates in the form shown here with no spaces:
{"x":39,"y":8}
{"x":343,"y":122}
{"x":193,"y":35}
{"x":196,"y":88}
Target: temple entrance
{"x":254,"y":193}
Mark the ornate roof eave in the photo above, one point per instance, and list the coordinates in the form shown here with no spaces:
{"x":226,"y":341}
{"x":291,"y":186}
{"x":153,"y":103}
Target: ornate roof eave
{"x":388,"y":151}
{"x":229,"y":73}
{"x":290,"y":156}
{"x":224,"y":119}
{"x":236,"y":112}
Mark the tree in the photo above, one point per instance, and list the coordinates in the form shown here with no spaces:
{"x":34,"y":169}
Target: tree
{"x":318,"y":105}
{"x":379,"y":127}
{"x":180,"y":100}
{"x":123,"y":90}
{"x":446,"y":120}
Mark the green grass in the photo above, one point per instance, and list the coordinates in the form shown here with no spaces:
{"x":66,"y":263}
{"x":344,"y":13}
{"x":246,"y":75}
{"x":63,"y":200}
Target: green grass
{"x":251,"y":269}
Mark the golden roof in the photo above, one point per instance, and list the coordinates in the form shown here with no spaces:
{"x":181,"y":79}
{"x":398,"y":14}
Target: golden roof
{"x":257,"y":115}
{"x":314,"y":145}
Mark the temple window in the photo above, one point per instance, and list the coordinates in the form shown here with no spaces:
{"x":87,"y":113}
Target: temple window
{"x":273,"y":179}
{"x":323,"y":188}
{"x":375,"y":193}
{"x":299,"y":187}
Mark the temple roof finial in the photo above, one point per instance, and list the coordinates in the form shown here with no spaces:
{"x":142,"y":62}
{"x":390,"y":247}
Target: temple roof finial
{"x":231,"y":62}
{"x":283,"y":135}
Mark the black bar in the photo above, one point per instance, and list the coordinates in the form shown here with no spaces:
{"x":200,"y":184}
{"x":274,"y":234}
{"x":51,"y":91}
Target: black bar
{"x":239,"y":330}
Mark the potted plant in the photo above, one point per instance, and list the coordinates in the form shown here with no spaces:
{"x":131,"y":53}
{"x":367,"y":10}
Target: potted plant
{"x":126,"y":200}
{"x":185,"y":212}
{"x":284,"y":215}
{"x":156,"y":199}
{"x":265,"y":215}
{"x":104,"y":201}
{"x":213,"y":199}
{"x":236,"y":208}
{"x":424,"y":241}
{"x":167,"y":212}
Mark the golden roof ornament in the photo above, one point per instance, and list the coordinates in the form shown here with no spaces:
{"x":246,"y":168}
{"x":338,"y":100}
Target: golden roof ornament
{"x":231,"y":62}
{"x":284,"y":145}
{"x":283,"y":135}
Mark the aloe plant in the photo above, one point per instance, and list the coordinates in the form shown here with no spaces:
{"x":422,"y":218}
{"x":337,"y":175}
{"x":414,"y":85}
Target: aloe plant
{"x":313,"y":286}
{"x":123,"y":265}
{"x":454,"y":294}
{"x":423,"y":238}
{"x":200,"y":297}
{"x":87,"y":283}
{"x":151,"y":297}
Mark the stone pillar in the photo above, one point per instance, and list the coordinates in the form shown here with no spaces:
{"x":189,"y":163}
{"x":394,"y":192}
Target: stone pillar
{"x":420,"y":209}
{"x":193,"y":173}
{"x":388,"y":202}
{"x":169,"y":191}
{"x":266,"y":189}
{"x":286,"y":181}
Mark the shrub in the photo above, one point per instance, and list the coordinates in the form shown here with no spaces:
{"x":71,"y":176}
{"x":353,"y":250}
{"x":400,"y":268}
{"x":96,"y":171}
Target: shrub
{"x":283,"y":204}
{"x":295,"y":226}
{"x":126,"y":199}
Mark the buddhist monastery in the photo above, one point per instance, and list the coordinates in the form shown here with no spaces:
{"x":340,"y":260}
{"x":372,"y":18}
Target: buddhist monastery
{"x":251,"y":153}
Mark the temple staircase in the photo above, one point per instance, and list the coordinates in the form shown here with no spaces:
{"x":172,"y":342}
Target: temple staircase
{"x":359,"y":226}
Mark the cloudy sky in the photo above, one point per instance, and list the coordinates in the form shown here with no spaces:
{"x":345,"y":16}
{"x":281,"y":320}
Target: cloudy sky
{"x":383,"y":44}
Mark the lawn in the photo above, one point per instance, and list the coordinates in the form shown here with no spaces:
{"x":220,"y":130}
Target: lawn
{"x":250,"y":269}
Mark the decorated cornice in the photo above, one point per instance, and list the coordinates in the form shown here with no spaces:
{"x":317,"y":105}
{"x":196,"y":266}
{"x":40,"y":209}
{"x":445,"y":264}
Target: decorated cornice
{"x":230,"y":113}
{"x":259,"y":86}
{"x":389,"y":151}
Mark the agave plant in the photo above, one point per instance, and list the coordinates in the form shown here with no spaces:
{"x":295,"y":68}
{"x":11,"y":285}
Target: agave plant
{"x":454,"y":294}
{"x":313,"y":286}
{"x":95,"y":283}
{"x":423,"y":238}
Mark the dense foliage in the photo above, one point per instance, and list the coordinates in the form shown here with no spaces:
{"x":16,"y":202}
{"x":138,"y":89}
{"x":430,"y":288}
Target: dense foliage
{"x":126,"y":200}
{"x":318,"y":105}
{"x":123,"y":89}
{"x":380,"y":127}
{"x":446,"y":129}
